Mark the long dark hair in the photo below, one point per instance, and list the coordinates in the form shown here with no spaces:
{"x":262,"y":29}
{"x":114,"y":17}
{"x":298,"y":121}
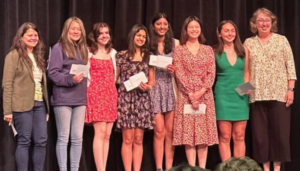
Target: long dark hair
{"x":184,"y":36}
{"x":69,"y":47}
{"x":94,"y":34}
{"x":38,"y":51}
{"x":238,"y":46}
{"x":131,"y":45}
{"x":168,"y":41}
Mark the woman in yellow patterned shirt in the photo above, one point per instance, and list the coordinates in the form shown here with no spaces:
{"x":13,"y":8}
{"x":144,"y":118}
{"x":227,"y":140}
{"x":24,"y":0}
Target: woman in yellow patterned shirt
{"x":272,"y":71}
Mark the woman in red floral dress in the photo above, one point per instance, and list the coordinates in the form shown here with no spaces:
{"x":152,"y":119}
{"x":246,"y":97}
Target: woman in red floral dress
{"x":195,"y":74}
{"x":102,"y":94}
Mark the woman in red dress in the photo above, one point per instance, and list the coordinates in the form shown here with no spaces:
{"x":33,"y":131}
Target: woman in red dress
{"x":101,"y":93}
{"x":195,"y":74}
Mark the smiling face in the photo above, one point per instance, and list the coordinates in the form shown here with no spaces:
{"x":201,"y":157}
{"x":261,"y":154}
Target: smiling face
{"x":193,"y":30}
{"x":263,"y":23}
{"x":161,"y":26}
{"x":104,"y":36}
{"x":228,"y":33}
{"x":74,"y":32}
{"x":140,"y":38}
{"x":30,"y":38}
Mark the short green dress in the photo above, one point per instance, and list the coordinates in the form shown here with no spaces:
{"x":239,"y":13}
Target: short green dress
{"x":230,"y":106}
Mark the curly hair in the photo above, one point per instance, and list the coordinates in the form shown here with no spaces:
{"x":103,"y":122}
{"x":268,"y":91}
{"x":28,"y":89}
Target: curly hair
{"x":38,"y":51}
{"x":94,"y":34}
{"x":273,"y":17}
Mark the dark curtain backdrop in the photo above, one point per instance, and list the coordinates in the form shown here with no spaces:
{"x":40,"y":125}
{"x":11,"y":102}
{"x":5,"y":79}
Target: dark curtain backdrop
{"x":121,"y":15}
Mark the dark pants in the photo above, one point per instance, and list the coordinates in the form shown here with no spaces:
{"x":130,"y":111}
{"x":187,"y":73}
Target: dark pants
{"x":31,"y":125}
{"x":270,"y":123}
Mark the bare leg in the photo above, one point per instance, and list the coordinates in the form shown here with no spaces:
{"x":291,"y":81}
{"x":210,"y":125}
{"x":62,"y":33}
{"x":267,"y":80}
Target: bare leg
{"x":169,"y":148}
{"x":158,"y":141}
{"x":106,"y":142}
{"x":138,"y":149}
{"x":126,"y":151}
{"x":98,"y":144}
{"x":202,"y":155}
{"x":238,"y":136}
{"x":276,"y":166}
{"x":266,"y":166}
{"x":225,"y":129}
{"x":190,"y":152}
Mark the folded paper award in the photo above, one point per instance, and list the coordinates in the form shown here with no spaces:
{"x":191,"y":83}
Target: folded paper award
{"x":188,"y":109}
{"x":14,"y":129}
{"x":160,"y":61}
{"x":242,"y":89}
{"x":135,"y":80}
{"x":78,"y":69}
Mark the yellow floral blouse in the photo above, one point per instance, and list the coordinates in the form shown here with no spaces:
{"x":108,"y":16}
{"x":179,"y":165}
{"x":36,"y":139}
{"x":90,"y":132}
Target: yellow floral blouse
{"x":271,"y":66}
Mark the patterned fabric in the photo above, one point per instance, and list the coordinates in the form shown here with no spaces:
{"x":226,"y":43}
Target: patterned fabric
{"x":194,"y":72}
{"x":37,"y":76}
{"x":134,"y":107}
{"x":162,"y":94}
{"x":102,"y":92}
{"x":271,"y":66}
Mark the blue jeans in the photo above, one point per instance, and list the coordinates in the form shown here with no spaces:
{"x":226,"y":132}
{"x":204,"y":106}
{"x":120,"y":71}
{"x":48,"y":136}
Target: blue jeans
{"x":69,"y":121}
{"x":31,"y":126}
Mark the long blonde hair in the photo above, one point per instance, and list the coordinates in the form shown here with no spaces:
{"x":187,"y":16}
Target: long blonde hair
{"x":69,"y":47}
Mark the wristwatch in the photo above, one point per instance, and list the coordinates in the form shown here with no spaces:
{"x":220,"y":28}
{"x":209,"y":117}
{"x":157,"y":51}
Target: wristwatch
{"x":290,"y":89}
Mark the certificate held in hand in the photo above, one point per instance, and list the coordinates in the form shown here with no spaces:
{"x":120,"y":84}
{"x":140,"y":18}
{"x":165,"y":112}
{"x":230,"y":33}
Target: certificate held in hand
{"x":243,"y":88}
{"x":135,"y":81}
{"x":160,"y":61}
{"x":188,"y":109}
{"x":78,"y":69}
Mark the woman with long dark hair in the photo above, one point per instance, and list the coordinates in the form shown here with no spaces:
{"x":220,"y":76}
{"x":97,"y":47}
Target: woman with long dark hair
{"x":134,"y":106}
{"x":69,"y":97}
{"x":232,"y":110}
{"x":102,"y":93}
{"x":195,"y":75}
{"x":162,"y":94}
{"x":25,"y":98}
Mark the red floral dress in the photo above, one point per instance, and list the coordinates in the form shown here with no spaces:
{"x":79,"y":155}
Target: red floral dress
{"x":194,"y":72}
{"x":102,"y":93}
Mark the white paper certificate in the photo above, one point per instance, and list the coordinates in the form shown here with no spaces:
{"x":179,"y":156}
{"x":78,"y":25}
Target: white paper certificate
{"x":160,"y":61}
{"x":78,"y":69}
{"x":134,"y":81}
{"x":188,"y":109}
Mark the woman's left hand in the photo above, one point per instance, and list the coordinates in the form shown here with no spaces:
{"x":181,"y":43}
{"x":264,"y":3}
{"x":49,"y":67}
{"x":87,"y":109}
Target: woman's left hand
{"x":47,"y":117}
{"x":249,"y":92}
{"x":194,"y":96}
{"x":289,"y":98}
{"x":144,"y":86}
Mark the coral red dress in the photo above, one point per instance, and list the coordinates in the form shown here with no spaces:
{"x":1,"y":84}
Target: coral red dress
{"x":102,"y":93}
{"x":194,"y":72}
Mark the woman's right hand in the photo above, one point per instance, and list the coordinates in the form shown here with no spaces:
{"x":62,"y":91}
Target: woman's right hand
{"x":8,"y":118}
{"x":78,"y":78}
{"x":195,"y":105}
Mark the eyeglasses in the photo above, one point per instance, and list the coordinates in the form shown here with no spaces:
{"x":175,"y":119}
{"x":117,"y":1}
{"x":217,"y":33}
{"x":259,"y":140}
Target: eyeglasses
{"x":263,"y":21}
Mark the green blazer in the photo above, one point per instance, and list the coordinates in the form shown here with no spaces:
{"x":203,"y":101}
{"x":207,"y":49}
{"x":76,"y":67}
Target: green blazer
{"x":18,"y":85}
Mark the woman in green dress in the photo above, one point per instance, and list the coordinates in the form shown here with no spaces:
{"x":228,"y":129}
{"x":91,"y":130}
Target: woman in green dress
{"x":232,"y":110}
